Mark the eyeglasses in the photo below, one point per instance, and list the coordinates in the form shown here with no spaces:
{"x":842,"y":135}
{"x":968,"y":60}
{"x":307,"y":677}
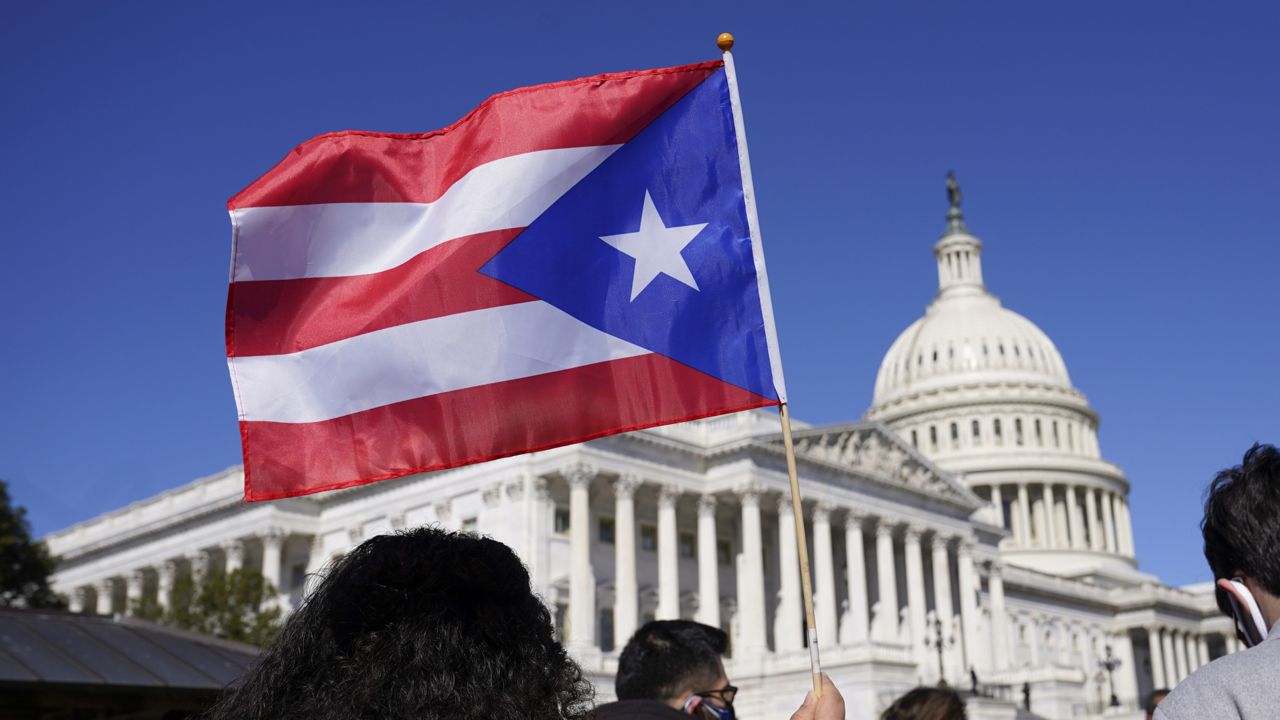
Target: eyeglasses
{"x":724,"y":695}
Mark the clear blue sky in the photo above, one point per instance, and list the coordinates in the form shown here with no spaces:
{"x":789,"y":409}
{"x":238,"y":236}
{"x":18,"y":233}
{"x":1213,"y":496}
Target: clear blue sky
{"x":1119,"y":159}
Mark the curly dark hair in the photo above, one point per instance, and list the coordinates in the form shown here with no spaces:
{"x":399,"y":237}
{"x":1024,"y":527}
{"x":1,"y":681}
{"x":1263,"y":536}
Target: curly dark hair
{"x":1241,"y":524}
{"x":927,"y":703}
{"x":422,"y":624}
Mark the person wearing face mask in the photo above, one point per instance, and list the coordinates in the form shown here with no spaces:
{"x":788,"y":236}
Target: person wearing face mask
{"x":1241,"y":528}
{"x":672,"y":669}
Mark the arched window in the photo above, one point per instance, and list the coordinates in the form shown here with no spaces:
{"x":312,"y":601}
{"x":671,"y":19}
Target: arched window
{"x":1017,"y":431}
{"x":1057,"y":441}
{"x":955,"y":436}
{"x":1039,"y":435}
{"x":977,"y":432}
{"x":915,"y":440}
{"x":995,"y":429}
{"x":933,"y":437}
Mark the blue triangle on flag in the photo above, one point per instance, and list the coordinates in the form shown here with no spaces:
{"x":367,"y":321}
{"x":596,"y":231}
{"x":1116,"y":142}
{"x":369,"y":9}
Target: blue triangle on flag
{"x":687,"y":162}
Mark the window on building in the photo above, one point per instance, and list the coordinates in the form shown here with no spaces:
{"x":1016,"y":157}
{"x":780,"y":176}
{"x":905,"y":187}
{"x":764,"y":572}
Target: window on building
{"x":648,"y":538}
{"x":933,"y":437}
{"x":605,"y":530}
{"x":996,"y":431}
{"x":562,"y":622}
{"x":1039,"y":435}
{"x":297,"y":576}
{"x":724,"y":551}
{"x":1057,"y":442}
{"x":606,"y":629}
{"x":955,"y":436}
{"x":1000,"y":347}
{"x":561,"y":521}
{"x":688,"y":545}
{"x":1017,"y":431}
{"x":470,"y":525}
{"x":976,"y":427}
{"x":915,"y":440}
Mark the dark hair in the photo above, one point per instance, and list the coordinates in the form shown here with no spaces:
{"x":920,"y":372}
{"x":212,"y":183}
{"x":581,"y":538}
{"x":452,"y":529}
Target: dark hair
{"x":667,"y":657}
{"x":1154,"y":698}
{"x":927,"y":703}
{"x":1241,"y":523}
{"x":421,"y":624}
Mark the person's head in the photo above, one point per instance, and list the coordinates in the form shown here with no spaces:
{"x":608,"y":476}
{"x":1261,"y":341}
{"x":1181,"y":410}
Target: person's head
{"x":927,"y":703}
{"x":420,"y":624}
{"x":1241,"y":528}
{"x":1154,"y":699}
{"x":676,"y":662}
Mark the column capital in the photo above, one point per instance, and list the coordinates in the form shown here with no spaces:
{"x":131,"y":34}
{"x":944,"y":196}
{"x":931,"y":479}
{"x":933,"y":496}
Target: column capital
{"x":234,"y":547}
{"x":911,"y":531}
{"x":579,"y":474}
{"x":444,"y":510}
{"x":750,"y":493}
{"x":355,"y":534}
{"x":965,"y":545}
{"x":515,"y":490}
{"x":541,"y":489}
{"x":996,"y":569}
{"x":668,"y":494}
{"x":855,"y":519}
{"x":167,"y":570}
{"x":105,"y":585}
{"x":625,"y":485}
{"x":199,"y":560}
{"x":884,"y":527}
{"x":706,"y":505}
{"x":398,"y":521}
{"x":822,"y":511}
{"x":136,"y":577}
{"x":274,"y":535}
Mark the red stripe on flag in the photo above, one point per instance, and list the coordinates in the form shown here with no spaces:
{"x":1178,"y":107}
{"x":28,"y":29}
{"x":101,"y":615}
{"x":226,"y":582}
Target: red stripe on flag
{"x":481,"y":423}
{"x":355,"y":166}
{"x":273,"y":317}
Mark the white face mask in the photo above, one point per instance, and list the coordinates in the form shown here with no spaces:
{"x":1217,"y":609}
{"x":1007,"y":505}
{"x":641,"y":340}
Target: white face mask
{"x":1253,"y":628}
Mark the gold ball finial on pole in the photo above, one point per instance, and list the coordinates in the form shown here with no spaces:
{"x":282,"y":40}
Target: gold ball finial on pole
{"x":724,"y":42}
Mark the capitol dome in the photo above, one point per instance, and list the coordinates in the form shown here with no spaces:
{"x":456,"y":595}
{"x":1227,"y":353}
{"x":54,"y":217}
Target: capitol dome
{"x":983,"y":392}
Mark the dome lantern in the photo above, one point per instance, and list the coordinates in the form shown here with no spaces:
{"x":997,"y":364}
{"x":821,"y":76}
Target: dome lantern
{"x":959,"y":254}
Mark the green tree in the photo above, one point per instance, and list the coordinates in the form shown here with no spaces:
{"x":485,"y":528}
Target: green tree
{"x":239,"y":605}
{"x":25,"y":565}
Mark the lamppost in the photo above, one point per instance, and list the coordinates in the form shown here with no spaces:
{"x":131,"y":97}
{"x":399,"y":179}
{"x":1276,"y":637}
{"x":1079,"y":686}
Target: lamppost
{"x":940,"y":642}
{"x":1110,"y":663}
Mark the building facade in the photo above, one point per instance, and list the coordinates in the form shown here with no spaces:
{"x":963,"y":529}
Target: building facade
{"x":968,"y":528}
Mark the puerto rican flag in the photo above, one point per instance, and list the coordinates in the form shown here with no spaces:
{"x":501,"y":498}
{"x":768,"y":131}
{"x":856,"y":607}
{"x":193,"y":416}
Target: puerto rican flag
{"x":567,"y":261}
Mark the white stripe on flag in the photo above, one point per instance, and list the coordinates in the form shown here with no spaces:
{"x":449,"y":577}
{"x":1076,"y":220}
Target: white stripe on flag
{"x":419,"y":359}
{"x":340,"y":239}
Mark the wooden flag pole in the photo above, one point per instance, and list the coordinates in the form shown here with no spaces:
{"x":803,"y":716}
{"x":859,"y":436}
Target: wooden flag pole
{"x":725,"y":43}
{"x":802,"y":547}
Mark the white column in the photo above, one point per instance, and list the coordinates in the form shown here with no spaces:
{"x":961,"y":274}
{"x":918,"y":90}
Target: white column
{"x":1024,"y":515}
{"x":1170,"y":659}
{"x":79,"y":599}
{"x":1233,"y":643}
{"x":1127,"y":675}
{"x":539,"y":519}
{"x":997,"y":502}
{"x":1125,"y":528}
{"x":133,"y":591}
{"x":626,"y":591}
{"x":751,"y":576}
{"x":166,"y":573}
{"x":886,"y":584}
{"x":234,"y":553}
{"x":999,"y":619}
{"x":201,"y":565}
{"x":856,"y":624}
{"x":916,"y":603}
{"x":708,"y":563}
{"x":942,"y":595}
{"x":1073,"y":517}
{"x":582,"y":584}
{"x":106,"y":601}
{"x":968,"y":580}
{"x":1108,"y":523}
{"x":824,"y":576}
{"x":1096,"y":541}
{"x":1158,"y":680}
{"x":317,"y":559}
{"x":272,"y":547}
{"x":1050,"y":537}
{"x":1184,"y":656}
{"x":668,"y":556}
{"x":1202,"y":645}
{"x":787,"y":617}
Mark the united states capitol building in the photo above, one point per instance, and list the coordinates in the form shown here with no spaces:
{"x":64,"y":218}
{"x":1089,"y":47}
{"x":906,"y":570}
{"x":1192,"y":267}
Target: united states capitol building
{"x":967,"y":524}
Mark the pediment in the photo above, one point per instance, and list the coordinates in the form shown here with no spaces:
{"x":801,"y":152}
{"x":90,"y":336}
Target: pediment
{"x":872,"y":450}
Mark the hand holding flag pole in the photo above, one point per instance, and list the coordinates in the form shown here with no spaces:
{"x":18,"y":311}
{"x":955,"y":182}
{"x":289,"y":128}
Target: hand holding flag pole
{"x":725,"y":43}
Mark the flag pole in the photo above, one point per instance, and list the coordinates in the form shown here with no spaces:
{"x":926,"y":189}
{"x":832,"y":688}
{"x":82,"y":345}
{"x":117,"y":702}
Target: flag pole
{"x":725,"y":43}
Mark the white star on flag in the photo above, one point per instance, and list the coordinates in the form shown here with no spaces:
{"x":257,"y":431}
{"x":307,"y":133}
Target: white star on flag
{"x":656,"y":249}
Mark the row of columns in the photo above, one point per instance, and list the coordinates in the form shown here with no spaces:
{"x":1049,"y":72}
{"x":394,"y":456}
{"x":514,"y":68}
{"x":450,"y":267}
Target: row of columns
{"x":103,"y":596}
{"x":856,"y":624}
{"x":1062,"y":516}
{"x":1176,"y":653}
